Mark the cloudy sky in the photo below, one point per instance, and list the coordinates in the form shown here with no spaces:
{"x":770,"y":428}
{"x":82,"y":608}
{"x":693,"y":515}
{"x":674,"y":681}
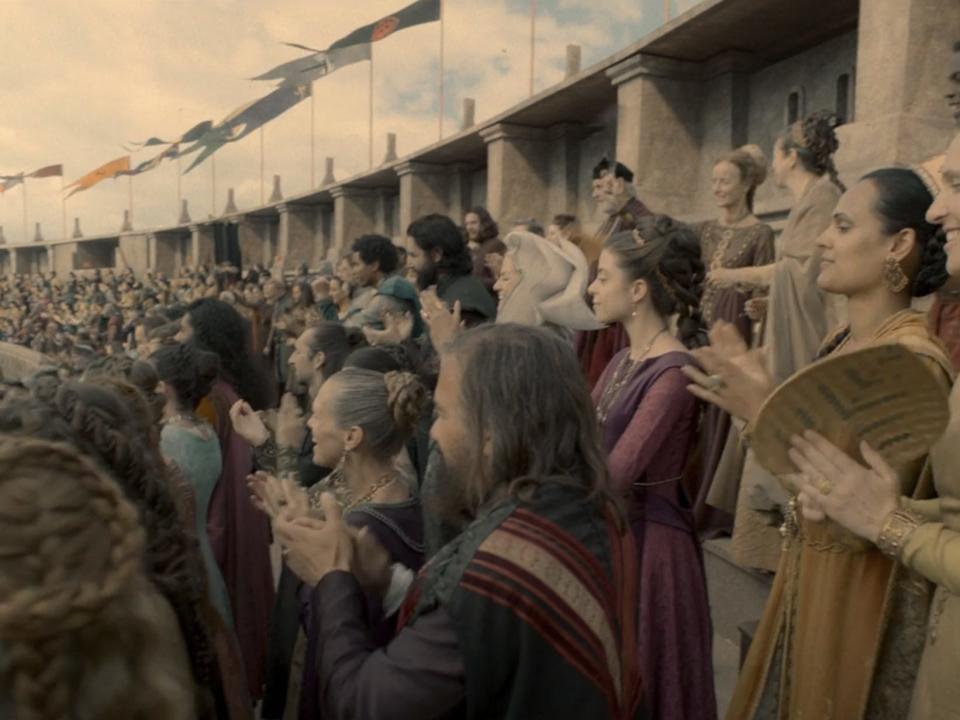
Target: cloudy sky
{"x":80,"y":79}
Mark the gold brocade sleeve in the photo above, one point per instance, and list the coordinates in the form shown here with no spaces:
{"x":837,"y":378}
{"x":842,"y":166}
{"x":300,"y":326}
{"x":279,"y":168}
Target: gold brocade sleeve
{"x":933,"y":550}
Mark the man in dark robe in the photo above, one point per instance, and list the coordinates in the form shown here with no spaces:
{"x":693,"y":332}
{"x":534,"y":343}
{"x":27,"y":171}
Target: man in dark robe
{"x":616,"y":196}
{"x":529,"y":612}
{"x":439,"y":254}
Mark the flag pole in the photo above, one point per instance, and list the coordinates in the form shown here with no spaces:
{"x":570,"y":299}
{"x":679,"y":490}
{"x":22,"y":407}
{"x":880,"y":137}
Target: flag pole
{"x":179,"y":181}
{"x":261,"y":165}
{"x":370,"y":124}
{"x":63,"y":207}
{"x":313,"y":139}
{"x":533,"y":38}
{"x":26,"y":224}
{"x":440,"y":119}
{"x":213,"y":185}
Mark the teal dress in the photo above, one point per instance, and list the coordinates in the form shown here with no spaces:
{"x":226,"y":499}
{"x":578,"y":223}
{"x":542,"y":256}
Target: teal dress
{"x":198,"y":458}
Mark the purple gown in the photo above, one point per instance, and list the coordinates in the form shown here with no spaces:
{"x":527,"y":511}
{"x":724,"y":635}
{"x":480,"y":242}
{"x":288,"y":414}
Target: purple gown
{"x":649,"y":433}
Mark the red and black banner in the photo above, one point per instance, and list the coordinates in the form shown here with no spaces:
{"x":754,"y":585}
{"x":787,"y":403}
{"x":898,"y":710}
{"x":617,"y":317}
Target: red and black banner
{"x":418,"y":13}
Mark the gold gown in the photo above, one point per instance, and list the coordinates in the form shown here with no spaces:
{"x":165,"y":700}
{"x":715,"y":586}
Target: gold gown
{"x":842,"y":633}
{"x":933,"y":551}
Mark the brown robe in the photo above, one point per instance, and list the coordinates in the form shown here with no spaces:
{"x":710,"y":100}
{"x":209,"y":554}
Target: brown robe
{"x":842,"y":632}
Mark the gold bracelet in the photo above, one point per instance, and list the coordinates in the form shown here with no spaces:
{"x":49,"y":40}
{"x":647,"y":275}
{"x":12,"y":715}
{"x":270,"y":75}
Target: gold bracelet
{"x":898,"y":525}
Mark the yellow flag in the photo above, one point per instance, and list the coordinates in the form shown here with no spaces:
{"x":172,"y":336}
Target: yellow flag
{"x":111,"y":169}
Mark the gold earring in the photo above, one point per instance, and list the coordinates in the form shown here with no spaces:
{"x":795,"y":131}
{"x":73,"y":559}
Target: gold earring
{"x":893,"y":276}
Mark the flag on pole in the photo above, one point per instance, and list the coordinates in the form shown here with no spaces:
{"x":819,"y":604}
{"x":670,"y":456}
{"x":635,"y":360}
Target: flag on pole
{"x":171,"y":152}
{"x":245,"y":119}
{"x":10,"y":181}
{"x":418,"y":13}
{"x":112,"y":169}
{"x":312,"y":67}
{"x":48,"y":171}
{"x":191,"y":135}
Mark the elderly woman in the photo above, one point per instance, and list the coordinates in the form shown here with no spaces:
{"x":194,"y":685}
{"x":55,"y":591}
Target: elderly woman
{"x":543,"y":283}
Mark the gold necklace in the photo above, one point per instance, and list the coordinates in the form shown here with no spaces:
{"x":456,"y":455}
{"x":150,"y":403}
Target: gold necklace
{"x":379,"y":485}
{"x":619,"y":379}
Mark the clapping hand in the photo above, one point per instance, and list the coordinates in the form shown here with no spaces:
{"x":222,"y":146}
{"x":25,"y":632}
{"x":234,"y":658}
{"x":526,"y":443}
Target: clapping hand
{"x":444,"y":324}
{"x":313,"y":548}
{"x":398,"y":327}
{"x":248,"y":424}
{"x":290,"y":424}
{"x":834,"y":485}
{"x":736,"y":379}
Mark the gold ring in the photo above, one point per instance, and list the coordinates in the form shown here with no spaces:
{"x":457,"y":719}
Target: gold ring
{"x":824,"y":486}
{"x":714,"y":383}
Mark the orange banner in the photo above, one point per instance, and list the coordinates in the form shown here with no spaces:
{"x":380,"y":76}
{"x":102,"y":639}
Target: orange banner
{"x":109,"y":170}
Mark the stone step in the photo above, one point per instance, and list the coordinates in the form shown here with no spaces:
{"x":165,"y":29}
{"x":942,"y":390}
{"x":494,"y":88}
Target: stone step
{"x":737,"y":595}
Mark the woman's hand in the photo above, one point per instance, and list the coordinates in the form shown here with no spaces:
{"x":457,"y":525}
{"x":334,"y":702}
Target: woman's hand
{"x":723,"y":277}
{"x":755,"y":308}
{"x":290,"y":424}
{"x":371,"y":561}
{"x":736,"y":379}
{"x":833,"y":484}
{"x":444,"y":324}
{"x":248,"y":424}
{"x":313,"y":548}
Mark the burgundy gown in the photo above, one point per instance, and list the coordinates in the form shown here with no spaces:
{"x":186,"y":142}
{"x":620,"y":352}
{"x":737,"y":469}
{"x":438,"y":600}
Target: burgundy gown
{"x":240,"y":538}
{"x":649,"y":432}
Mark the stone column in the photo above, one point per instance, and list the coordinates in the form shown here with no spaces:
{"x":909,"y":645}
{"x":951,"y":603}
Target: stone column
{"x":322,"y":234}
{"x":63,"y":258}
{"x":903,"y":60}
{"x":201,"y":245}
{"x":423,"y":190}
{"x":724,"y":119}
{"x":517,"y":172}
{"x":134,"y":252}
{"x":563,"y":160}
{"x":296,"y":235}
{"x":658,"y":128}
{"x":166,"y":248}
{"x":354,"y":213}
{"x":460,"y":186}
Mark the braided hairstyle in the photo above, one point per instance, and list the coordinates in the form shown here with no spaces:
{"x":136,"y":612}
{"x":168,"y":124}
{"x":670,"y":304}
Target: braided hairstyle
{"x":98,"y":416}
{"x":902,"y":202}
{"x":75,"y":608}
{"x":386,"y":407}
{"x":815,"y":140}
{"x":669,"y":262}
{"x":189,"y":372}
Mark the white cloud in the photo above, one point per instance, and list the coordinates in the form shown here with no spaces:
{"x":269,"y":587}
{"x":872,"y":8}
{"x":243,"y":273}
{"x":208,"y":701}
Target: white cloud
{"x":80,"y":79}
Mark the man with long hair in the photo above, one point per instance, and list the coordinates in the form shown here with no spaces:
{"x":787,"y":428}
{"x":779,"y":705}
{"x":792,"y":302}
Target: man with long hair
{"x":529,"y":612}
{"x":483,"y":241}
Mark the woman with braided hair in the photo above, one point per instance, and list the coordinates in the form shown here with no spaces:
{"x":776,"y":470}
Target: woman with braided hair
{"x":100,"y":424}
{"x":649,"y":428}
{"x":360,"y":421}
{"x":798,"y":315}
{"x":82,"y":630}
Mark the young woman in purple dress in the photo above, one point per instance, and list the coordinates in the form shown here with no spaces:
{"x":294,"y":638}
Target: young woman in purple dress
{"x":644,"y":279}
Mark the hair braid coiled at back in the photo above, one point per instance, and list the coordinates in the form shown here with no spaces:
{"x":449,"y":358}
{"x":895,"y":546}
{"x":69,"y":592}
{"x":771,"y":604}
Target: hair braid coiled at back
{"x":68,"y":550}
{"x":99,"y":418}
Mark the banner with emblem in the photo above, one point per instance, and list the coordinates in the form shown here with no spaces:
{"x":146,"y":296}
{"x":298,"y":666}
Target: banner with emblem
{"x":418,"y":13}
